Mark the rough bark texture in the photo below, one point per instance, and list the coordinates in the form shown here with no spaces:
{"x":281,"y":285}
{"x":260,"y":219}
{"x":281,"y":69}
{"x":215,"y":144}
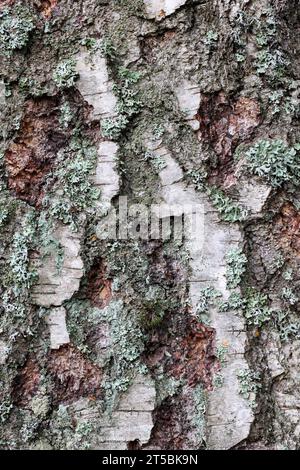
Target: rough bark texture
{"x":149,"y":344}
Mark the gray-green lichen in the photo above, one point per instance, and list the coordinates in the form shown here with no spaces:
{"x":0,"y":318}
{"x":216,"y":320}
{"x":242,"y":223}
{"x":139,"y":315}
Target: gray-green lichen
{"x":145,"y":283}
{"x":16,"y":24}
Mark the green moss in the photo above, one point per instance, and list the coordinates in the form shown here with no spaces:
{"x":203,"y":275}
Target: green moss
{"x":155,"y":306}
{"x":153,"y":313}
{"x":118,"y":255}
{"x":48,"y":245}
{"x":136,"y":171}
{"x":106,"y":46}
{"x":241,"y":24}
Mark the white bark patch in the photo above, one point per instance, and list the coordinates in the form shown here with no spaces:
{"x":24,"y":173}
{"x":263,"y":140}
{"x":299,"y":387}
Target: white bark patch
{"x":275,"y":357}
{"x":229,"y":415}
{"x":189,"y":98}
{"x":107,"y":177}
{"x":58,"y":329}
{"x":2,"y":96}
{"x":55,"y":286}
{"x":172,"y":172}
{"x":3,"y":352}
{"x":253,"y":196}
{"x":94,"y":84}
{"x":133,"y":418}
{"x":160,"y":8}
{"x":97,"y":89}
{"x":108,"y":180}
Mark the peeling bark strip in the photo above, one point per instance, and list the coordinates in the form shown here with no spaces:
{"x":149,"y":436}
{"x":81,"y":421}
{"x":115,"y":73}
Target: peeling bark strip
{"x":57,"y":284}
{"x":208,"y":269}
{"x":94,"y":84}
{"x":107,"y":177}
{"x":58,"y":329}
{"x":160,"y":8}
{"x":189,"y":109}
{"x":132,"y":420}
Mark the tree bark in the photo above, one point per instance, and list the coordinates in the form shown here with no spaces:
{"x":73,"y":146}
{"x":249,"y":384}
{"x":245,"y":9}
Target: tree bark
{"x":116,"y":114}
